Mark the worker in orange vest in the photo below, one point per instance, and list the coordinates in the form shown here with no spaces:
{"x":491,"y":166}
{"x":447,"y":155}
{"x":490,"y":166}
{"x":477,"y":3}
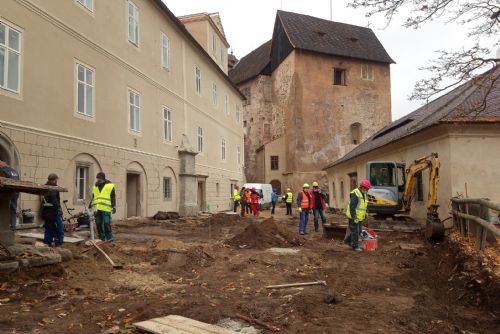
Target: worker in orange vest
{"x":248,"y":196}
{"x":304,"y":207}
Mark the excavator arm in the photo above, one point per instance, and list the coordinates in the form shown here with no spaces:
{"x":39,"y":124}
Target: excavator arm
{"x":434,"y":228}
{"x":430,"y":162}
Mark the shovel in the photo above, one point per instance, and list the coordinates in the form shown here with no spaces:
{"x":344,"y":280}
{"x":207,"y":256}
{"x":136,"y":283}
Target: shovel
{"x":115,"y":266}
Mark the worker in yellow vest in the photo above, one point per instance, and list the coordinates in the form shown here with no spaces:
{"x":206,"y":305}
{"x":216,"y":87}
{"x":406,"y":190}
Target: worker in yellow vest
{"x":288,"y":199}
{"x":236,"y":197}
{"x":304,"y":208}
{"x":104,"y":202}
{"x":356,"y":212}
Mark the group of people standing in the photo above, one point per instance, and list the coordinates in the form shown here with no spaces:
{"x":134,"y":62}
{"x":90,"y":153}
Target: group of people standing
{"x":248,"y":198}
{"x":103,"y":200}
{"x":311,"y":200}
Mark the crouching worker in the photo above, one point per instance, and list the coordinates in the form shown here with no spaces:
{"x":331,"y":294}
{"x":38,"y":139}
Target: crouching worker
{"x":52,"y":215}
{"x":356,"y":212}
{"x":104,"y":202}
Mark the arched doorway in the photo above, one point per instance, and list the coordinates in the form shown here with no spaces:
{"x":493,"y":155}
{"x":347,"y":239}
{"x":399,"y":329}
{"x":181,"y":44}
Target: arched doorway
{"x":8,"y":153}
{"x":276,"y":184}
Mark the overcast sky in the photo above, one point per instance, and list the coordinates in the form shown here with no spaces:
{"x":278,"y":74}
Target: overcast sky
{"x":248,"y":24}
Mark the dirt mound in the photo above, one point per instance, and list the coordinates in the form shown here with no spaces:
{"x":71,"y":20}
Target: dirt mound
{"x":222,"y":219}
{"x":162,"y":215}
{"x":264,"y":234}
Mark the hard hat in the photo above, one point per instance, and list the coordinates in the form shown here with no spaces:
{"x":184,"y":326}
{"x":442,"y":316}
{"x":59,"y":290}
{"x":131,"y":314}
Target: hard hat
{"x":365,"y":184}
{"x":306,"y":185}
{"x":315,"y":184}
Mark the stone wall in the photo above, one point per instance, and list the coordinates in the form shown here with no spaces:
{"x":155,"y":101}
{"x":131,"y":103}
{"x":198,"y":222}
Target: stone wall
{"x":256,"y":114}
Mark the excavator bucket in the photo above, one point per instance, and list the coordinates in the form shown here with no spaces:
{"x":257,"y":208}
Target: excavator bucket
{"x":434,"y":229}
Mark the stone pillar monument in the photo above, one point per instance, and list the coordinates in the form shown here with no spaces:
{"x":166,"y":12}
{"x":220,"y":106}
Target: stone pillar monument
{"x":188,"y":205}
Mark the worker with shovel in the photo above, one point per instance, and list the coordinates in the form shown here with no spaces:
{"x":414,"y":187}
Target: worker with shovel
{"x":356,"y":212}
{"x":104,"y":202}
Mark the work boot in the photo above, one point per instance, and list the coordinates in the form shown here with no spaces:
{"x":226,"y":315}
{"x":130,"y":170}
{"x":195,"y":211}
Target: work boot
{"x":357,"y":249}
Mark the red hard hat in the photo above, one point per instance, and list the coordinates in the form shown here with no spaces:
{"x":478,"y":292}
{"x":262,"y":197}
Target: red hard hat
{"x":365,"y":184}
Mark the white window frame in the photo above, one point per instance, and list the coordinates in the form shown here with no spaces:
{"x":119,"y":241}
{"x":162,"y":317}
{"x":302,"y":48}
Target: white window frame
{"x":200,"y":139}
{"x":8,"y":50}
{"x":134,"y":19}
{"x":214,"y":93}
{"x":137,"y":109}
{"x":167,"y":195}
{"x":87,"y":4}
{"x":223,"y":150}
{"x":197,"y":79}
{"x":226,"y":105}
{"x":238,"y":114}
{"x":165,"y":51}
{"x":238,"y":154}
{"x":167,"y":125}
{"x":85,"y":84}
{"x":367,"y":72}
{"x":86,"y":181}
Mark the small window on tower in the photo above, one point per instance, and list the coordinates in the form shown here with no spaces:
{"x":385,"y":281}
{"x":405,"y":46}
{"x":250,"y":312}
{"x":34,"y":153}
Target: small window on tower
{"x":339,"y":77}
{"x":355,"y":133}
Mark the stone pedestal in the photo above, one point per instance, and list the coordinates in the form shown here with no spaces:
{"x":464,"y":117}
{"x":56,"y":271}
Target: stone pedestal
{"x":188,"y":205}
{"x":6,"y":235}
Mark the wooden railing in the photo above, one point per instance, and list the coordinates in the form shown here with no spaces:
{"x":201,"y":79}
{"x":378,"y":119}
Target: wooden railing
{"x":472,"y":216}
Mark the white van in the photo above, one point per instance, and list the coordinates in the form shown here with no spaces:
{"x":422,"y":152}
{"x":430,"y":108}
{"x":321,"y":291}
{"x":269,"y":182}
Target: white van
{"x":265,"y":190}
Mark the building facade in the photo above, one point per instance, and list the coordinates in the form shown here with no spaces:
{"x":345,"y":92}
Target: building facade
{"x":314,"y":92}
{"x":457,"y":126}
{"x":120,"y":87}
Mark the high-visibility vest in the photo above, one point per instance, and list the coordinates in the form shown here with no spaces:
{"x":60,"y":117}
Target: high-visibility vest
{"x":360,"y":209}
{"x":46,"y":204}
{"x":236,"y":195}
{"x":289,"y":197}
{"x":248,"y":196}
{"x":102,"y":198}
{"x":304,"y":204}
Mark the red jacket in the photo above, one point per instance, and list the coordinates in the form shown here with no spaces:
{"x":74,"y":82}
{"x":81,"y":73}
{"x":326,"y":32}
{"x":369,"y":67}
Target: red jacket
{"x":313,"y":199}
{"x":255,"y":197}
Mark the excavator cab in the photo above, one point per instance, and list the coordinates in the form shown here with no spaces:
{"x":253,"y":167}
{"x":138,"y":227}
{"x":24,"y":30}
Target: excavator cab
{"x":393,"y":189}
{"x":388,"y":180}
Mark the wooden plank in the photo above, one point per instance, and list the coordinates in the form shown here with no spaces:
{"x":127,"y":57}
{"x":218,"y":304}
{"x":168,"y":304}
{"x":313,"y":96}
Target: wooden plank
{"x":28,"y":186}
{"x":175,"y":324}
{"x":71,"y":240}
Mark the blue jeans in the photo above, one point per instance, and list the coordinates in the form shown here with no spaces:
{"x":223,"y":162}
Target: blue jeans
{"x":354,"y":232}
{"x":318,"y":212}
{"x":54,"y":231}
{"x":304,"y":217}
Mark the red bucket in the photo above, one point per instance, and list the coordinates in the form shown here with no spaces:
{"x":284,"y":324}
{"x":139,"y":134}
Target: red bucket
{"x":371,"y":244}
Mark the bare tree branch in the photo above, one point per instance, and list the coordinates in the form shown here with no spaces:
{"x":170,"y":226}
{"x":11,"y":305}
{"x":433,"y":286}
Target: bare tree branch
{"x":482,"y":17}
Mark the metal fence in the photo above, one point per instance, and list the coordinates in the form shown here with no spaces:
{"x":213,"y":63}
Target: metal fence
{"x":471,"y":216}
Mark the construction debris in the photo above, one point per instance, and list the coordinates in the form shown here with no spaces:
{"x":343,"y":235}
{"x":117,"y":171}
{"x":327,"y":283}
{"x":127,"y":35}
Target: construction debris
{"x":292,"y":285}
{"x":174,"y":324}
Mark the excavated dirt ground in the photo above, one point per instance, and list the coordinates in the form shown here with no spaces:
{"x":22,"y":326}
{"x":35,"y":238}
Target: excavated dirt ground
{"x":217,"y":267}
